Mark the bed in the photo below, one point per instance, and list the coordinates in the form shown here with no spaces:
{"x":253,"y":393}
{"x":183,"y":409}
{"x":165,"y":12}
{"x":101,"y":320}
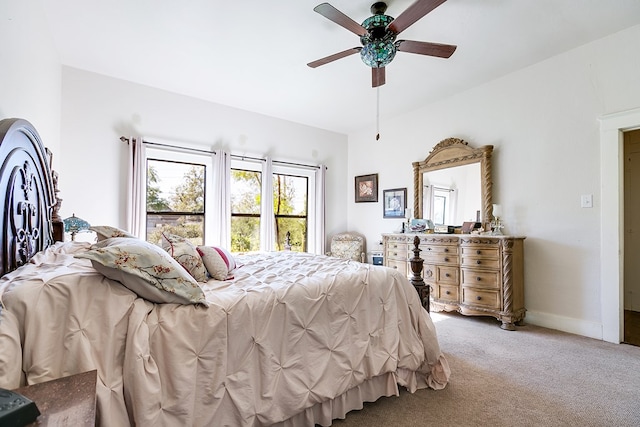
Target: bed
{"x":292,"y":339}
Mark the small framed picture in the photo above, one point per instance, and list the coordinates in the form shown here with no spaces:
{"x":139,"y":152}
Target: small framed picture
{"x":395,"y":203}
{"x":367,"y":188}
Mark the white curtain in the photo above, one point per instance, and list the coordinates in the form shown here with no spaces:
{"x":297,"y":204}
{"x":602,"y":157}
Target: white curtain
{"x":267,"y":217}
{"x":320,"y":246}
{"x":136,"y":198}
{"x":221,"y":217}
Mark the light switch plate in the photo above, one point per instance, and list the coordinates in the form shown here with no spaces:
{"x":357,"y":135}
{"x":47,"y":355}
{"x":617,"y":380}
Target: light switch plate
{"x":586,"y":201}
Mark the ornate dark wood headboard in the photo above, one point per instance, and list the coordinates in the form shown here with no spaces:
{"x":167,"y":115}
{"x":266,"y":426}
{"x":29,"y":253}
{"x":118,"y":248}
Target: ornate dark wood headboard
{"x":30,"y":215}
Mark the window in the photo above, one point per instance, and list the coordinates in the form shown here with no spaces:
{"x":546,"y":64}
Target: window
{"x":175,"y":195}
{"x":290,"y":210}
{"x":293,"y":203}
{"x":246,"y":197}
{"x":181,"y":199}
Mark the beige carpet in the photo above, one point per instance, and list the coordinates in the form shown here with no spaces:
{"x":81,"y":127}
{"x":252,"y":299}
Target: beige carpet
{"x":531,"y":377}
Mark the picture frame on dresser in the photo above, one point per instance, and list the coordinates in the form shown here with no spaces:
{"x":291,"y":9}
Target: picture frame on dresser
{"x":394,"y":203}
{"x":366,"y":188}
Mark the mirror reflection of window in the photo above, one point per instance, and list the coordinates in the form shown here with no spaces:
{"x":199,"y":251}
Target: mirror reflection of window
{"x":460,"y":187}
{"x":440,"y":205}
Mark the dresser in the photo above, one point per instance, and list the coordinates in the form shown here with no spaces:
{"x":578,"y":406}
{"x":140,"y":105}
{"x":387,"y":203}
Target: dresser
{"x":477,"y":275}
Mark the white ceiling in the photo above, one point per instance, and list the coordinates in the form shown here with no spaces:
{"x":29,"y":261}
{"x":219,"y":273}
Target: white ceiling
{"x":252,"y":55}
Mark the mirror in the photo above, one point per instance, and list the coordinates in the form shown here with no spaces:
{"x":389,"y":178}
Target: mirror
{"x":453,"y":184}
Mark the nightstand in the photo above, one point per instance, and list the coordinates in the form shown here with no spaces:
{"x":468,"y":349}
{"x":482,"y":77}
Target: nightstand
{"x":68,"y":401}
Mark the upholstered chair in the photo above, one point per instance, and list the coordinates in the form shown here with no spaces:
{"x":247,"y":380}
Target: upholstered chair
{"x":349,"y":245}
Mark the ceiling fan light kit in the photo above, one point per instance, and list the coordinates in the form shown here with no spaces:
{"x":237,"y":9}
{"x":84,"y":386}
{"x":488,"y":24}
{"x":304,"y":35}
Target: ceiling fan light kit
{"x":378,"y":35}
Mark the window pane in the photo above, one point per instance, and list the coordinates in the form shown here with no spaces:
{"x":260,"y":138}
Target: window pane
{"x":189,"y":226}
{"x":174,"y":190}
{"x":175,"y":187}
{"x":289,"y":195}
{"x":297,"y":227}
{"x":246,"y":187}
{"x":245,"y":234}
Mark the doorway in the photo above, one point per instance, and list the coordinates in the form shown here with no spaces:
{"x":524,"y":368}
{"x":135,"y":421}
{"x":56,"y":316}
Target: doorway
{"x":631,"y":277}
{"x":612,"y":128}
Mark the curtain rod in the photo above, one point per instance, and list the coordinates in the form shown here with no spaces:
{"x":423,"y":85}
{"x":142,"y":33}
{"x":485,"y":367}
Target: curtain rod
{"x":236,"y":156}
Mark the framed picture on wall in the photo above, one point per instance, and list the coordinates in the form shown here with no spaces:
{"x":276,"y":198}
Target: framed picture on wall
{"x":367,"y":188}
{"x":395,"y":203}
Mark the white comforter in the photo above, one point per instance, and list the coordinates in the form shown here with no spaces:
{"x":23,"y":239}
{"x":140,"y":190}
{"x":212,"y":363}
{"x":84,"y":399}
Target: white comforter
{"x":291,"y":333}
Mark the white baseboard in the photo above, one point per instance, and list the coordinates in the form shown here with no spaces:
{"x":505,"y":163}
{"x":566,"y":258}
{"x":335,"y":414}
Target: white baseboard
{"x":565,"y":324}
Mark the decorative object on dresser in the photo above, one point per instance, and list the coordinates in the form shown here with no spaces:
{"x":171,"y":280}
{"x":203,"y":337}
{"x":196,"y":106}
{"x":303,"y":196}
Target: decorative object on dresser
{"x":452,"y":158}
{"x":479,"y":275}
{"x":366,"y":188}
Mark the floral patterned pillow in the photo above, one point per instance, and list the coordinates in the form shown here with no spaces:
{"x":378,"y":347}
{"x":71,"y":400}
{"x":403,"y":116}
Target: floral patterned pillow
{"x":146,"y":269}
{"x":106,"y":231}
{"x":183,"y":251}
{"x":218,"y":261}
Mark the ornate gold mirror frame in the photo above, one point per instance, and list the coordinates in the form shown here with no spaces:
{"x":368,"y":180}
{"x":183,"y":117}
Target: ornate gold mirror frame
{"x":449,"y":153}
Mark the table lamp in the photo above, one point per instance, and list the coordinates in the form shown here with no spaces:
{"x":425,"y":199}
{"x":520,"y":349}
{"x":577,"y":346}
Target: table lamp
{"x":74,"y":225}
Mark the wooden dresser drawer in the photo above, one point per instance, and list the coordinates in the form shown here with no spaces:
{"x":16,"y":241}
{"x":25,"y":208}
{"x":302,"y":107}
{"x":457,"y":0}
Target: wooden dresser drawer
{"x":439,"y":249}
{"x":447,"y":275}
{"x":442,"y":259}
{"x":399,"y":254}
{"x":480,"y":278}
{"x":481,"y":297}
{"x":446,"y":292}
{"x":481,"y":251}
{"x":491,"y":263}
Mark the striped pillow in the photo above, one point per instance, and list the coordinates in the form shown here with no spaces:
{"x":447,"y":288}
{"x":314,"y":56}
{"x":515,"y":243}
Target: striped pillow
{"x":218,"y":261}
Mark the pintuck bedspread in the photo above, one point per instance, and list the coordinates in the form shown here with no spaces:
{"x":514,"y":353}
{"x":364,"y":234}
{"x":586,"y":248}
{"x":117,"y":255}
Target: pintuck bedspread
{"x":294,"y":339}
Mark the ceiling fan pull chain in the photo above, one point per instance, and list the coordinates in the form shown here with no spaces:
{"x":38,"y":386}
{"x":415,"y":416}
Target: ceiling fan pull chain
{"x":377,"y":113}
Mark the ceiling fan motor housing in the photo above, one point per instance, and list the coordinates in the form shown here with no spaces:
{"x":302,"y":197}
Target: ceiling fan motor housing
{"x":379,"y":47}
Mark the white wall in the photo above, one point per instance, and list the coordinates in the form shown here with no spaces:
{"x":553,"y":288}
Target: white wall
{"x":543,"y":124}
{"x":97,"y":110}
{"x":29,"y":70}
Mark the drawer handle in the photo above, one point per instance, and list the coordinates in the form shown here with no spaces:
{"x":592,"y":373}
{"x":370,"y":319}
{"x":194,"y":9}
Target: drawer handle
{"x":447,"y":275}
{"x":448,"y":292}
{"x":478,"y":279}
{"x":446,"y":259}
{"x":478,"y":262}
{"x":428,"y":249}
{"x":478,"y":252}
{"x":478,"y":298}
{"x":395,"y":267}
{"x":446,"y":249}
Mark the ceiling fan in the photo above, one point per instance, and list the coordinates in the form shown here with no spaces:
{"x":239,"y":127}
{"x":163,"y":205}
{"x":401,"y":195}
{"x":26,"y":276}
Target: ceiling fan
{"x":378,"y":36}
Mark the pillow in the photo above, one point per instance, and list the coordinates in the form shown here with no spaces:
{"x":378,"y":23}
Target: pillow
{"x":218,"y":261}
{"x":185,"y":252}
{"x":106,"y":232}
{"x":146,"y":269}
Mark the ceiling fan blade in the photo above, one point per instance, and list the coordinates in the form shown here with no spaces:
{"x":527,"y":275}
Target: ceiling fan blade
{"x":426,"y":48}
{"x":333,"y":57}
{"x":333,"y":14}
{"x":414,"y":12}
{"x":377,"y":77}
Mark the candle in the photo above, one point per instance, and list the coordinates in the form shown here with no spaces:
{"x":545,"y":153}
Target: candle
{"x":407,"y":213}
{"x":497,"y":211}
